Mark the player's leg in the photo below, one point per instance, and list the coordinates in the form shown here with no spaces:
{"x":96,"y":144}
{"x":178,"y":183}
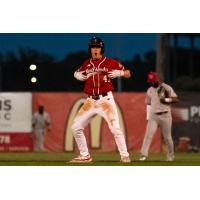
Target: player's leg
{"x":152,"y":125}
{"x":80,"y":121}
{"x":108,"y":110}
{"x":166,"y":125}
{"x":36,"y":141}
{"x":41,"y":140}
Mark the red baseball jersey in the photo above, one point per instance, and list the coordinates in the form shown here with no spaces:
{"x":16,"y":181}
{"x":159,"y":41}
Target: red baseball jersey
{"x":98,"y":81}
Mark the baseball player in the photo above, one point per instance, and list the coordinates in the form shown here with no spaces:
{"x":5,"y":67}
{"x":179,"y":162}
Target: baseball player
{"x":40,"y":122}
{"x":159,"y":98}
{"x":97,"y":73}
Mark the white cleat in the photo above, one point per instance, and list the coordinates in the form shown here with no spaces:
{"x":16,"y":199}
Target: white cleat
{"x":82,"y":159}
{"x":143,"y":158}
{"x":125,"y":159}
{"x":170,"y":158}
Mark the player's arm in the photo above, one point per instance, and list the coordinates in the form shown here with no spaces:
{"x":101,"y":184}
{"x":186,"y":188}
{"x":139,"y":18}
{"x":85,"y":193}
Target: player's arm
{"x":148,"y":107}
{"x":127,"y":73}
{"x":171,"y":98}
{"x":33,"y":126}
{"x":148,"y":111}
{"x":33,"y":121}
{"x":119,"y":71}
{"x":174,"y":99}
{"x":80,"y":73}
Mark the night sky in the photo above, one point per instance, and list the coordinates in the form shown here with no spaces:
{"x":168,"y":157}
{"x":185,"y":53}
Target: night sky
{"x":118,"y":45}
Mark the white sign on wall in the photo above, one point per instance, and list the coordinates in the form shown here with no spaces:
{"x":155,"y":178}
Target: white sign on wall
{"x":15,"y":112}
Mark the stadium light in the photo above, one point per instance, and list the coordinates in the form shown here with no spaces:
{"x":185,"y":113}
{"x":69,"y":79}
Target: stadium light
{"x":33,"y":67}
{"x":33,"y":79}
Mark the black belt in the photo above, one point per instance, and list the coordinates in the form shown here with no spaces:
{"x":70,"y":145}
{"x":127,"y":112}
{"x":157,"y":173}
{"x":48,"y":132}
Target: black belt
{"x":97,"y":97}
{"x":160,"y":113}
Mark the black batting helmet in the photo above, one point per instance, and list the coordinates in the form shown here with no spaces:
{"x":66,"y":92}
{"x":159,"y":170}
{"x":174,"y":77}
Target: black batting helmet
{"x":97,"y":42}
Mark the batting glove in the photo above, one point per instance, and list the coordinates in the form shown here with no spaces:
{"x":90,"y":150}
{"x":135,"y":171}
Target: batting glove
{"x":79,"y":76}
{"x":115,"y":73}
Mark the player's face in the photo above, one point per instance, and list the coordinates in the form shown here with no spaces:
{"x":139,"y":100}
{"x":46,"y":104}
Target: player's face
{"x":155,"y":84}
{"x":41,"y":109}
{"x":96,"y":53}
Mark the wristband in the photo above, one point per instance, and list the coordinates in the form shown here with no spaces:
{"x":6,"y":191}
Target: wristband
{"x":148,"y":111}
{"x":168,"y":100}
{"x":121,"y":73}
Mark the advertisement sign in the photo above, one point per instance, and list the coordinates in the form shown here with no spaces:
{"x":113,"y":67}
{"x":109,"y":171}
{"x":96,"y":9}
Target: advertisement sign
{"x":63,"y":107}
{"x":15,"y":121}
{"x":186,"y":115}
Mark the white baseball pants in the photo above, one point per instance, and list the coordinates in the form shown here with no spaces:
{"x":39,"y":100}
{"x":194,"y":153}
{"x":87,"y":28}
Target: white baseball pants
{"x":106,"y":108}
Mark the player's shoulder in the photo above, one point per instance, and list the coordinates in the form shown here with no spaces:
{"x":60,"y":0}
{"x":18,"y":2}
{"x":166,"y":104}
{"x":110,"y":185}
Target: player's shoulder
{"x":35,"y":114}
{"x":86,"y":61}
{"x":85,"y":64}
{"x":166,"y":86}
{"x":46,"y":113}
{"x":114,"y":63}
{"x":149,"y":90}
{"x":111,"y":60}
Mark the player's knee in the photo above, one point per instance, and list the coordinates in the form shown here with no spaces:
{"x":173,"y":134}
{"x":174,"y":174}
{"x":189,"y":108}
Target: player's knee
{"x":116,"y":131}
{"x":168,"y":139}
{"x":76,"y":128}
{"x":149,"y":137}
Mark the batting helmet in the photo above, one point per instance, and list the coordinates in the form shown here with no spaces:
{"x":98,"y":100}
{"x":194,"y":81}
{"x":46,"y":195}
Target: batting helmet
{"x":152,"y":77}
{"x":96,"y":42}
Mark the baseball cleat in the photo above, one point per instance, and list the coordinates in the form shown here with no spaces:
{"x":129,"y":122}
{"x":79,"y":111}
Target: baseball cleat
{"x":142,"y":158}
{"x":82,"y":159}
{"x":170,"y":158}
{"x":125,"y":159}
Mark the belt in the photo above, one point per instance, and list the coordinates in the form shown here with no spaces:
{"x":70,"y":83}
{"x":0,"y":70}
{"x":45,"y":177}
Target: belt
{"x":97,"y":97}
{"x":160,"y":113}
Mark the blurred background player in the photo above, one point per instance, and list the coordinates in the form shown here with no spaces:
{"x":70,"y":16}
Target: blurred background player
{"x":97,"y":73}
{"x":40,"y":123}
{"x":159,"y":98}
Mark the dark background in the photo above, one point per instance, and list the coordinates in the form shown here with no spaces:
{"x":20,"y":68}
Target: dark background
{"x":58,"y":55}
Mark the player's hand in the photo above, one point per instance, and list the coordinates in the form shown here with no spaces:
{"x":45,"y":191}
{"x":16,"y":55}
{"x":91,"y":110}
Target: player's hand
{"x":80,"y":76}
{"x":166,"y":100}
{"x":115,"y":73}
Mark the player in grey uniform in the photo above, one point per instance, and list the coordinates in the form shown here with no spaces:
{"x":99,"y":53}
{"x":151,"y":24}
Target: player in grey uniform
{"x":40,"y":122}
{"x":159,"y":98}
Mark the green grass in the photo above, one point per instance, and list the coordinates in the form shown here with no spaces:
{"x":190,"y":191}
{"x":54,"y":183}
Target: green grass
{"x":100,"y":159}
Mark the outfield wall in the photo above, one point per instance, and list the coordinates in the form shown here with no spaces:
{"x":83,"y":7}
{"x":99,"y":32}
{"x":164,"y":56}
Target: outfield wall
{"x":16,"y":110}
{"x":62,"y":108}
{"x":186,"y":118}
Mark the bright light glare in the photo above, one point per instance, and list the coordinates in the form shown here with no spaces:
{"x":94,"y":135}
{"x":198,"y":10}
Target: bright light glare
{"x":33,"y":67}
{"x":33,"y":79}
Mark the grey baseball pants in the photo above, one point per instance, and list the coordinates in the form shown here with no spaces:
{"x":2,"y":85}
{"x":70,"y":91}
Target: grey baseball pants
{"x":164,"y":121}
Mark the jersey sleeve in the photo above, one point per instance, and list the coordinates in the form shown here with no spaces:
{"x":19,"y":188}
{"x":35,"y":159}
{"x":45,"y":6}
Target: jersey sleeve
{"x":116,"y":65}
{"x":172,"y":93}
